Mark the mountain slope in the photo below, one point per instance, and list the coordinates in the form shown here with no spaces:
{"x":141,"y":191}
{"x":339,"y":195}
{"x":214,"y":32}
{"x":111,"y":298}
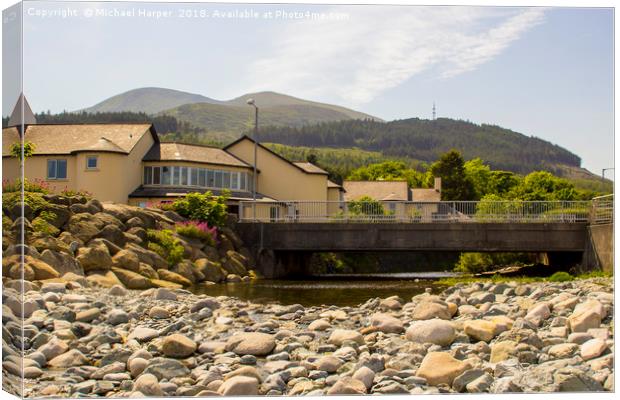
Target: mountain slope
{"x":228,"y":121}
{"x":273,"y":99}
{"x":426,"y":140}
{"x":149,"y":100}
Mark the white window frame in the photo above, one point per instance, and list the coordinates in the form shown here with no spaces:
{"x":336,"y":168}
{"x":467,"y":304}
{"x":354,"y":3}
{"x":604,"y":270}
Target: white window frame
{"x":55,"y":177}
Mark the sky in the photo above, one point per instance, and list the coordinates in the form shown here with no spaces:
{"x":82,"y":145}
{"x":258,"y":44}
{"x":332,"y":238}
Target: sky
{"x":545,"y":72}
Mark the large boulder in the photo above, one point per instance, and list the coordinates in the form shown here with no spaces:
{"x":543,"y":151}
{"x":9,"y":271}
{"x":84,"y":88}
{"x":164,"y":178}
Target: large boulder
{"x":435,"y":331}
{"x":62,"y":262}
{"x":126,"y":259}
{"x":211,"y":271}
{"x":106,"y":279}
{"x":170,"y":276}
{"x":148,"y":256}
{"x":58,"y":215}
{"x":386,"y":323}
{"x":132,"y":280}
{"x":94,"y":258}
{"x":114,"y":234}
{"x":251,"y":343}
{"x":441,"y":368}
{"x":186,"y":270}
{"x":44,"y":242}
{"x":429,"y":309}
{"x":84,"y":226}
{"x":480,"y":330}
{"x":41,"y":269}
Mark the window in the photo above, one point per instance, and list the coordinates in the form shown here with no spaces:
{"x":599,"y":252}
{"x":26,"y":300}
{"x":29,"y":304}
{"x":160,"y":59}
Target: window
{"x":91,"y":162}
{"x":202,"y":177}
{"x":156,"y":175}
{"x":226,"y":179}
{"x":148,"y":174}
{"x":165,"y":175}
{"x":234,"y":180}
{"x":193,"y":177}
{"x":56,"y":169}
{"x":210,"y":178}
{"x":176,"y":175}
{"x":183,"y":176}
{"x":218,"y":179}
{"x":274,"y":213}
{"x":242,"y":185}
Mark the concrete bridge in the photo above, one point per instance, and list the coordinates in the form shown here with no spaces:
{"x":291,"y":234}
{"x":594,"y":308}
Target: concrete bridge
{"x":283,"y":247}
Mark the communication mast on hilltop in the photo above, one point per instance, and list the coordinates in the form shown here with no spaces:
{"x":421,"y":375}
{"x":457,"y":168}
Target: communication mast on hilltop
{"x":434,"y":111}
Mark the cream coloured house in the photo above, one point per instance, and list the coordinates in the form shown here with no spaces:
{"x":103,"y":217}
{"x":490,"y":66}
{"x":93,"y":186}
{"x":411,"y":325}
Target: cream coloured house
{"x":127,"y":163}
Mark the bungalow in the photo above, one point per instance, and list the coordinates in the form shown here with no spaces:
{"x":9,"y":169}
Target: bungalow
{"x":127,"y":163}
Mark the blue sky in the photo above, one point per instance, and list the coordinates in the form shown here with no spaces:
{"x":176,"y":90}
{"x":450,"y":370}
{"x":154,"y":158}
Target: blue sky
{"x":542,"y":72}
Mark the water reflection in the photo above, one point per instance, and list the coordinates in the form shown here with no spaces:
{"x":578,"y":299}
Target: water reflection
{"x":339,"y":290}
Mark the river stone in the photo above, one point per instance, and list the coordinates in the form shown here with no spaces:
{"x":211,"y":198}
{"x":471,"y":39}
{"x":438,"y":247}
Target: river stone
{"x":593,"y":348}
{"x":319,"y":325}
{"x":72,"y":358}
{"x":126,"y":259}
{"x":460,"y":382}
{"x":166,"y":368}
{"x":563,"y":350}
{"x":501,"y":351}
{"x":253,"y":343}
{"x":87,"y":315}
{"x":148,"y":385}
{"x":157,"y":312}
{"x":347,"y":385}
{"x":386,"y":323}
{"x":143,"y":334}
{"x":117,"y":290}
{"x":435,"y":331}
{"x":365,"y":375}
{"x":479,"y":329}
{"x":212,"y":271}
{"x":53,"y":348}
{"x":538,"y":313}
{"x":440,"y":367}
{"x":328,"y":364}
{"x":178,"y":346}
{"x":239,"y":386}
{"x":582,"y":320}
{"x":339,"y":336}
{"x":430,"y":310}
{"x":136,"y":366}
{"x":117,"y":316}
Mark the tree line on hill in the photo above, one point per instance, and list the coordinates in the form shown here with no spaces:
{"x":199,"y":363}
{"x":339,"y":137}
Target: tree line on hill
{"x":426,"y":140}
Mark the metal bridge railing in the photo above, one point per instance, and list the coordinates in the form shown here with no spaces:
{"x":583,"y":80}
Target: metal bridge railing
{"x":418,"y":212}
{"x":602,"y":210}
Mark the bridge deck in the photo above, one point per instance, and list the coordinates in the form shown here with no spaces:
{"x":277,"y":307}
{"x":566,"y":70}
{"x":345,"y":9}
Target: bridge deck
{"x":480,"y":237}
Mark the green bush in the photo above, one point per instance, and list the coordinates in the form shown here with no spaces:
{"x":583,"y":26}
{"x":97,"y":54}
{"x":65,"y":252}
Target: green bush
{"x":561,"y":276}
{"x":39,"y":224}
{"x":474,"y":263}
{"x":34,"y":200}
{"x":36,"y":186}
{"x":366,"y":206}
{"x":166,"y":245}
{"x":203,"y":207}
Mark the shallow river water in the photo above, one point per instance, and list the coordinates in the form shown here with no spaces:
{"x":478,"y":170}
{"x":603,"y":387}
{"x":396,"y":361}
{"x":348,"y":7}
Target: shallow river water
{"x":338,"y":290}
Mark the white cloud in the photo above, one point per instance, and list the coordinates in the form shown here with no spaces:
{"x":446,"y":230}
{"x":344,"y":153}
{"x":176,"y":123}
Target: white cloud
{"x":378,"y":48}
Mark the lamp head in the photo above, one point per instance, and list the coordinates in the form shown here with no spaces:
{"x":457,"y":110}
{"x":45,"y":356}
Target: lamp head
{"x":251,"y":102}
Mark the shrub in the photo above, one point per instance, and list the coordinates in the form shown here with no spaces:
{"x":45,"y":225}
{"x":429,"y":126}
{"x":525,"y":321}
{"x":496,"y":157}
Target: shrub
{"x":16,"y":149}
{"x":561,"y":276}
{"x":197,"y":230}
{"x":7,"y":223}
{"x":366,"y":206}
{"x":166,"y":245}
{"x":481,"y":262}
{"x":37,"y":186}
{"x":33,"y":199}
{"x":39,"y":224}
{"x":76,"y":193}
{"x":203,"y":207}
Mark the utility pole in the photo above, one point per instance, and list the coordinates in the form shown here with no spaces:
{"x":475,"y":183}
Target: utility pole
{"x":255,"y":177}
{"x":434,"y":111}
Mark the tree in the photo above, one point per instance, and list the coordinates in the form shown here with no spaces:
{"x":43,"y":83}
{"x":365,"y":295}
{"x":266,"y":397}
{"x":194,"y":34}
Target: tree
{"x":455,"y":184}
{"x":543,"y":186}
{"x":16,"y":149}
{"x":480,"y":176}
{"x":388,"y":171}
{"x":312,"y":158}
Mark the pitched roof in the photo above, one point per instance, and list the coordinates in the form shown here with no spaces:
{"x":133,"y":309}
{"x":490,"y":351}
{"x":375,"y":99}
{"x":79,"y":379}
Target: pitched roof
{"x":18,"y":117}
{"x":246,"y":137}
{"x":333,"y":184}
{"x":378,"y":190}
{"x":425,"y":195}
{"x":168,"y":151}
{"x":73,"y":138}
{"x":310,"y":168}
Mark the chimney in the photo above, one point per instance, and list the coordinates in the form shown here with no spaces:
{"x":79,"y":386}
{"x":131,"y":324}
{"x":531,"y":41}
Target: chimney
{"x":437,"y":184}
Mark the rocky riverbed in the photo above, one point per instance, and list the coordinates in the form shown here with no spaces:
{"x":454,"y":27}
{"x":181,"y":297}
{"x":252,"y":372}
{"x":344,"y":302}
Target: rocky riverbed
{"x":82,"y":340}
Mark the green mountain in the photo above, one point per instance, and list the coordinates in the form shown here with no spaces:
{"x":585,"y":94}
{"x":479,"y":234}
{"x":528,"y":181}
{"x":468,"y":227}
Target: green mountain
{"x":150,"y":100}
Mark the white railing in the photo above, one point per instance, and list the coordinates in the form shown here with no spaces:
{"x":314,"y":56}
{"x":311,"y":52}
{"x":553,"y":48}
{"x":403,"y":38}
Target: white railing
{"x":602,"y":210}
{"x":415,"y":212}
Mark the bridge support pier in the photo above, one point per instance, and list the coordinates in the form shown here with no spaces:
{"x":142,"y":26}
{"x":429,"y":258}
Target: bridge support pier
{"x":281,"y":264}
{"x":599,"y":251}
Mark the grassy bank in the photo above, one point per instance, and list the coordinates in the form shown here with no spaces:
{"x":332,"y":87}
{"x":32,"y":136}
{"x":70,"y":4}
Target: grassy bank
{"x":465,"y":279}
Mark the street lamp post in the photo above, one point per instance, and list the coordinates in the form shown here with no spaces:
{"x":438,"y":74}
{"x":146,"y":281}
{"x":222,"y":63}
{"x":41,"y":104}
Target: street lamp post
{"x":603,"y":174}
{"x":255,"y":177}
